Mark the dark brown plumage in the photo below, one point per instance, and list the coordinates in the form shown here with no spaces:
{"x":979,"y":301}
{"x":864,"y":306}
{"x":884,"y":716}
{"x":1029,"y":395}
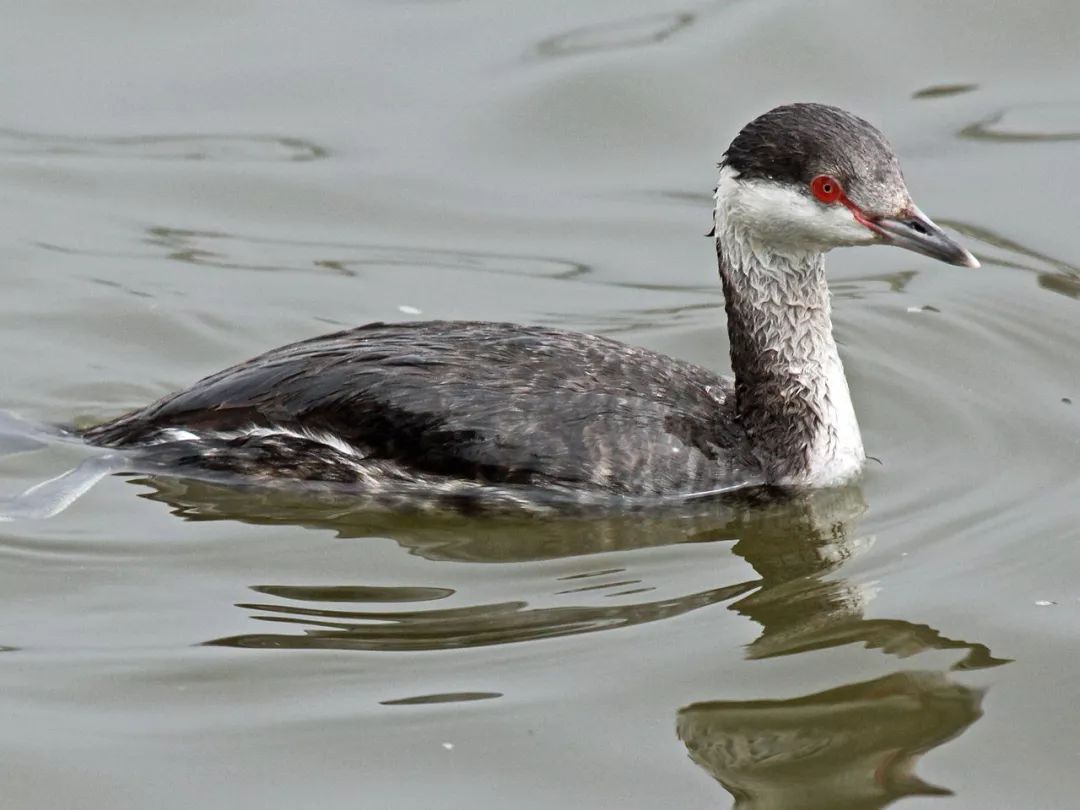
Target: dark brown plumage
{"x":492,"y":402}
{"x":526,"y":413}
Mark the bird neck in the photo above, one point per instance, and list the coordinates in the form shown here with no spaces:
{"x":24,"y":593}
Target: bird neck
{"x":791,"y":396}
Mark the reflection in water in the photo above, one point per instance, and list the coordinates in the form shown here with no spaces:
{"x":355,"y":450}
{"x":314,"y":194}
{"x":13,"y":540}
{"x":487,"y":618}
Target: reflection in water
{"x":1063,"y":277}
{"x":852,"y":747}
{"x":354,"y":593}
{"x":1028,"y":123}
{"x":445,"y":697}
{"x":227,"y":251}
{"x":944,"y":90}
{"x":855,"y":747}
{"x":642,"y":320}
{"x":799,"y":608}
{"x":458,"y":628}
{"x":490,"y":540}
{"x":444,"y":536}
{"x":266,"y":254}
{"x":226,"y":148}
{"x":236,"y":252}
{"x":630,"y":33}
{"x":794,"y":543}
{"x":1062,"y":285}
{"x":645,"y":319}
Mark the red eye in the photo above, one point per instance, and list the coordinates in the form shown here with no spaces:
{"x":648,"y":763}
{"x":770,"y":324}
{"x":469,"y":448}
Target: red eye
{"x":826,"y":188}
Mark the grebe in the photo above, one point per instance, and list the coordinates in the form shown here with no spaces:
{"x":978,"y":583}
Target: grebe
{"x":470,"y":407}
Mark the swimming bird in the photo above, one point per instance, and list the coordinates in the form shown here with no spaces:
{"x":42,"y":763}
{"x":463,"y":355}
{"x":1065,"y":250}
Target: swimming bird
{"x":497,"y":408}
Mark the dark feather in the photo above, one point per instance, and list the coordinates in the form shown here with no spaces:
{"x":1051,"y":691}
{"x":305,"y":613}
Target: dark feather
{"x":498,"y":403}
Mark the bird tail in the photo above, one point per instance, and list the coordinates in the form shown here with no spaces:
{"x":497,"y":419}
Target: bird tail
{"x":49,"y":498}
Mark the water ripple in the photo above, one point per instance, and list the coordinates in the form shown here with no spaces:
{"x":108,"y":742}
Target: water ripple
{"x":1055,"y":275}
{"x":944,"y":90}
{"x":354,"y":593}
{"x":796,"y":546}
{"x":628,"y":33}
{"x":444,"y":697}
{"x":459,"y":628}
{"x":224,"y":148}
{"x":1029,"y":123}
{"x":235,"y":252}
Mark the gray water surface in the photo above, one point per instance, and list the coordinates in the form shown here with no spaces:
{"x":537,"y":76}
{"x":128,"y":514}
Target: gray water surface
{"x":183,"y":185}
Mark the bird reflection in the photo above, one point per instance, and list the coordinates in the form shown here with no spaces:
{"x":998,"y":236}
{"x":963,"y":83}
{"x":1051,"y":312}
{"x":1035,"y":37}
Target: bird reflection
{"x":795,"y":543}
{"x":854,"y":747}
{"x":799,"y":608}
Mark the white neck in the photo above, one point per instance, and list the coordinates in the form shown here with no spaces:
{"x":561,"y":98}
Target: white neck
{"x":791,"y":394}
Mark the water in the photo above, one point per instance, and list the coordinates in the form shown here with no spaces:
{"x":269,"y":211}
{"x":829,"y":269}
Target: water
{"x":185,"y":185}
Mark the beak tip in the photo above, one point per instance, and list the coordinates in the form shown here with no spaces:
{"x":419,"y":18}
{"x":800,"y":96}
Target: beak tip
{"x":968,"y":260}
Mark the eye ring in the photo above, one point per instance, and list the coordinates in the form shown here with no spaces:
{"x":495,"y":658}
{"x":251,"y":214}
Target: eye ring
{"x":826,"y":189}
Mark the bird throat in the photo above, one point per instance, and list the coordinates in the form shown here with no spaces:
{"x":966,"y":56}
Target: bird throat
{"x":791,"y":396}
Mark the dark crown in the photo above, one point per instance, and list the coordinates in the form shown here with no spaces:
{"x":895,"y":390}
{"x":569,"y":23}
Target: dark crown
{"x":796,"y":142}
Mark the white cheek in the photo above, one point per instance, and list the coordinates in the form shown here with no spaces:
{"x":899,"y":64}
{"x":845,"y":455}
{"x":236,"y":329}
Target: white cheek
{"x":839,"y":226}
{"x":782,"y":216}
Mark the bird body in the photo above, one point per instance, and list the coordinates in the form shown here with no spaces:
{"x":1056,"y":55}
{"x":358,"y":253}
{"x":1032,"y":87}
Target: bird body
{"x":468,"y":407}
{"x":496,"y":403}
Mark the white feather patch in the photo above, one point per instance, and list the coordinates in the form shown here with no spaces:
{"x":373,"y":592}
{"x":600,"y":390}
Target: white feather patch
{"x":777,"y":218}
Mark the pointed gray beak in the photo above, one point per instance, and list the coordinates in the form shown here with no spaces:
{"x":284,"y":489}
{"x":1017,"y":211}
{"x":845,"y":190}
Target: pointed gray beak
{"x":915,"y":231}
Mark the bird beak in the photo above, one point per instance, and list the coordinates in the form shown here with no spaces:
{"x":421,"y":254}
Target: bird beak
{"x":914,"y":230}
